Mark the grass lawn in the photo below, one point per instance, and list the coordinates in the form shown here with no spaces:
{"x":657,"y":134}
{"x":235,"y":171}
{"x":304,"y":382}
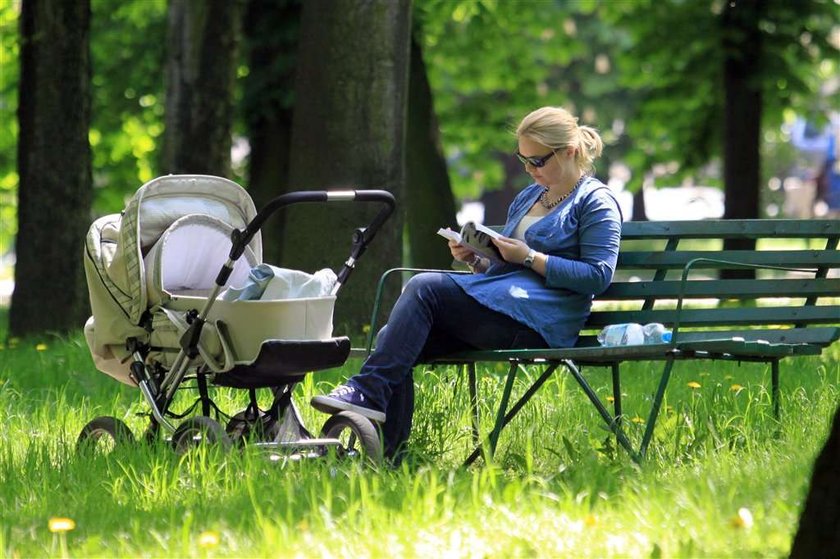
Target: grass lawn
{"x":723,"y":478}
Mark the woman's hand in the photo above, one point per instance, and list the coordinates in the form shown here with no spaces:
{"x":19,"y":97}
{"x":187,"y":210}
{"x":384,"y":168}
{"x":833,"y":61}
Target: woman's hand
{"x":513,"y":250}
{"x":460,"y":252}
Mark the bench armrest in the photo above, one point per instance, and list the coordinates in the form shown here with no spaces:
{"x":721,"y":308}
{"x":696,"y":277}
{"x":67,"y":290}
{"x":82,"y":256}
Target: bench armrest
{"x":691,"y":263}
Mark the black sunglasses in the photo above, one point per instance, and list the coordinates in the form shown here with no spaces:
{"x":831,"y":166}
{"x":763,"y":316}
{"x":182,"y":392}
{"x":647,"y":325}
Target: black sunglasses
{"x":534,"y":161}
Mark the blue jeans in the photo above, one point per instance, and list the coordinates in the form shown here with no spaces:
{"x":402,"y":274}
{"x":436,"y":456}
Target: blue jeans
{"x":433,"y":317}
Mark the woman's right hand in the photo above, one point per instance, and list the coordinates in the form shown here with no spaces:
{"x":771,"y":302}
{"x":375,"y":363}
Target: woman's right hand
{"x":460,"y":252}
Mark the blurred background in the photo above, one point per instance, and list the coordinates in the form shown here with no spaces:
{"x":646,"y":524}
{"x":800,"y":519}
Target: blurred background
{"x":708,"y":109}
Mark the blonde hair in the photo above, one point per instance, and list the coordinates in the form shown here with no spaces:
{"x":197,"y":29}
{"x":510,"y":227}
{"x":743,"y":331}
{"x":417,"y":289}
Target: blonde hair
{"x":556,"y":128}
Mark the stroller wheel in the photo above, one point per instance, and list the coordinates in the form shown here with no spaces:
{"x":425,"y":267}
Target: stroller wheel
{"x":102,"y":435}
{"x":199,"y":430}
{"x":357,"y":435}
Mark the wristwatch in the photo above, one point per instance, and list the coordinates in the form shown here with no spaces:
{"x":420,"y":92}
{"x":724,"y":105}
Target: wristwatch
{"x":529,"y":260}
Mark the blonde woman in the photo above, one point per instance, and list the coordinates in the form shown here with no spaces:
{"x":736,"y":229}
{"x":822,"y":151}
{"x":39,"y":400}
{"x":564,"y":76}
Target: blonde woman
{"x":560,"y":245}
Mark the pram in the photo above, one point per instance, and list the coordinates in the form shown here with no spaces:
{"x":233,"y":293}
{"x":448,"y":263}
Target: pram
{"x":154,"y":274}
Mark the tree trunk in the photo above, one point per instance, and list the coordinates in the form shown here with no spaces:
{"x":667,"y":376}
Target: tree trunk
{"x":54,"y":166}
{"x":429,"y":203}
{"x":496,"y":202}
{"x":819,"y":525}
{"x":271,"y":36}
{"x":203,"y":37}
{"x":742,"y":117}
{"x":639,"y":209}
{"x":348,"y":132}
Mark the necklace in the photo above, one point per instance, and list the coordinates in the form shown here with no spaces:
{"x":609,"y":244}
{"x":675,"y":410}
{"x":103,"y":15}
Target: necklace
{"x":544,"y":201}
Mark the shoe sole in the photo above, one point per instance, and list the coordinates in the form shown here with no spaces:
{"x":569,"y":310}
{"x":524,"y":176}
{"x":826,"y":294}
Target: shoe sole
{"x":332,"y":406}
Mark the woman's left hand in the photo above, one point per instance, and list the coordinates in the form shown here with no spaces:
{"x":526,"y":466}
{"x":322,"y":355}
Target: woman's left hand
{"x":513,"y":250}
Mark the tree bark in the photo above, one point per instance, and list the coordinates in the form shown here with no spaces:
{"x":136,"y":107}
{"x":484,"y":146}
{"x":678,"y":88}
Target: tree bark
{"x":271,"y":36}
{"x":348,"y":131}
{"x":54,"y":166}
{"x":819,"y":525}
{"x":742,"y":117}
{"x":203,"y":37}
{"x":428,"y":197}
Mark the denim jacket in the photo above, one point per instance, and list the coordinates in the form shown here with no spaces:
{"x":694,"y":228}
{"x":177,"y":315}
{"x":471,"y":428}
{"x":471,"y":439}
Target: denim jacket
{"x":581,"y":237}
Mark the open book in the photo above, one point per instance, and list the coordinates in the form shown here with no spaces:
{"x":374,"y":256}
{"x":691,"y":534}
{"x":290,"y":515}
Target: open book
{"x":477,"y":238}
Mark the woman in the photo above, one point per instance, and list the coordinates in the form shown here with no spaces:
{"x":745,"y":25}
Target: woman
{"x":560,"y":246}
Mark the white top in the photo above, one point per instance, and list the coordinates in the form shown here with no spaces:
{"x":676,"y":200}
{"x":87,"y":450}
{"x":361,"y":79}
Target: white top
{"x":524,"y":224}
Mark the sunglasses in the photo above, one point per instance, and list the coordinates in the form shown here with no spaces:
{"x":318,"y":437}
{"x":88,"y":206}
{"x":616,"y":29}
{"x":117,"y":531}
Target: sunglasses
{"x":534,"y":161}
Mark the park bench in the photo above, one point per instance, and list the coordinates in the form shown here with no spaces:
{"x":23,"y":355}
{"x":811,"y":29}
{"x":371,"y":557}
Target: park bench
{"x":668,"y":272}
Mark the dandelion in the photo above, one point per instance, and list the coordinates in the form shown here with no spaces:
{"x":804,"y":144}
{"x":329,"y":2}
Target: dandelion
{"x":366,"y":329}
{"x":736,"y":388}
{"x":743,"y":519}
{"x":637,"y":420}
{"x":58,"y":525}
{"x":694,"y":385}
{"x":41,"y":347}
{"x":611,"y":399}
{"x":590,"y":520}
{"x":208,"y":539}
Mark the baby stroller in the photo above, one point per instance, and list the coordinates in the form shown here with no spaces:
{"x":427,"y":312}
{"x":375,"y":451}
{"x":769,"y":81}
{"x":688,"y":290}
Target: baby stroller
{"x":155,"y":273}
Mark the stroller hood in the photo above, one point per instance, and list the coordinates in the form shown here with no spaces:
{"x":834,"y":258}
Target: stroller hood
{"x":117,"y":244}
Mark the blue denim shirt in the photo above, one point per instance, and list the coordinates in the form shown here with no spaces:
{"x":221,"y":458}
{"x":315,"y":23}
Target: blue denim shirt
{"x":581,"y":238}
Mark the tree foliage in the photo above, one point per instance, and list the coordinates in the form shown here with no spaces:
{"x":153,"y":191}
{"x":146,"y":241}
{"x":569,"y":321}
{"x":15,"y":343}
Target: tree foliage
{"x":492,"y":62}
{"x":128,"y":41}
{"x":676,"y":67}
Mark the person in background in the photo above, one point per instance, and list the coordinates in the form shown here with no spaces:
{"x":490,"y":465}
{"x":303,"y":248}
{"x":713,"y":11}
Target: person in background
{"x":828,"y":180}
{"x":560,"y":245}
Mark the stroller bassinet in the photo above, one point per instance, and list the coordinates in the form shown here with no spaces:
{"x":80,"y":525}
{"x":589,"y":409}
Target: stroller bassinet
{"x":154,"y":280}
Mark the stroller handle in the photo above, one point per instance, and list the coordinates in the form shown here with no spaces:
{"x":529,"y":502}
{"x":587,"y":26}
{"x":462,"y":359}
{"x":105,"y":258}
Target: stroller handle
{"x":240,"y":239}
{"x":362,"y":238}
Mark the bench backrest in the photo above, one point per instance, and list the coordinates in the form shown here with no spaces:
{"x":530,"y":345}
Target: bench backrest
{"x":655,"y":256}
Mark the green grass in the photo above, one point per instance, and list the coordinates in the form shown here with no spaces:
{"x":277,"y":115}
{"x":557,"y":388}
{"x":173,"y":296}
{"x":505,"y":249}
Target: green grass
{"x":558,"y":487}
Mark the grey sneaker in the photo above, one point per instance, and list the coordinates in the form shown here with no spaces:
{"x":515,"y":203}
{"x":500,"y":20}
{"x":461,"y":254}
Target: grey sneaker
{"x":347,"y":398}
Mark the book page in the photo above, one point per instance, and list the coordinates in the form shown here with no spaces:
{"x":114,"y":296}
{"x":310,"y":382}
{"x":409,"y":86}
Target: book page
{"x":449,"y":234}
{"x":488,"y":231}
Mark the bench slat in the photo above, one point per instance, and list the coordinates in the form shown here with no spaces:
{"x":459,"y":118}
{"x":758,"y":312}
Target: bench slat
{"x":723,"y":289}
{"x":741,"y":229}
{"x":721,"y":316}
{"x":647,"y":260}
{"x":816,"y":336}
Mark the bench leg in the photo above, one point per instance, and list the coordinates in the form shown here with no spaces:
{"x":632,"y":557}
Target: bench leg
{"x":500,"y":414}
{"x":657,"y":403}
{"x":471,"y":379}
{"x":516,"y":407}
{"x":616,"y":381}
{"x":774,"y":390}
{"x":611,"y":422}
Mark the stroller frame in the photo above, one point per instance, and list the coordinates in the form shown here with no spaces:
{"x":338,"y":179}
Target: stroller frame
{"x":280,"y":365}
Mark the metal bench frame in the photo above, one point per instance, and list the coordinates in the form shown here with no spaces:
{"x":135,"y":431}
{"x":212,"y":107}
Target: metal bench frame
{"x":767,"y":334}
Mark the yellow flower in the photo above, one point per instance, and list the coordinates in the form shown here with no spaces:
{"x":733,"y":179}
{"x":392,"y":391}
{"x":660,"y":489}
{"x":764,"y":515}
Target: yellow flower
{"x":208,"y":539}
{"x":59,"y":524}
{"x":590,"y":520}
{"x":610,"y":399}
{"x":41,"y":347}
{"x":694,"y":384}
{"x":366,"y":329}
{"x":736,"y":388}
{"x":637,"y":419}
{"x":743,"y":519}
